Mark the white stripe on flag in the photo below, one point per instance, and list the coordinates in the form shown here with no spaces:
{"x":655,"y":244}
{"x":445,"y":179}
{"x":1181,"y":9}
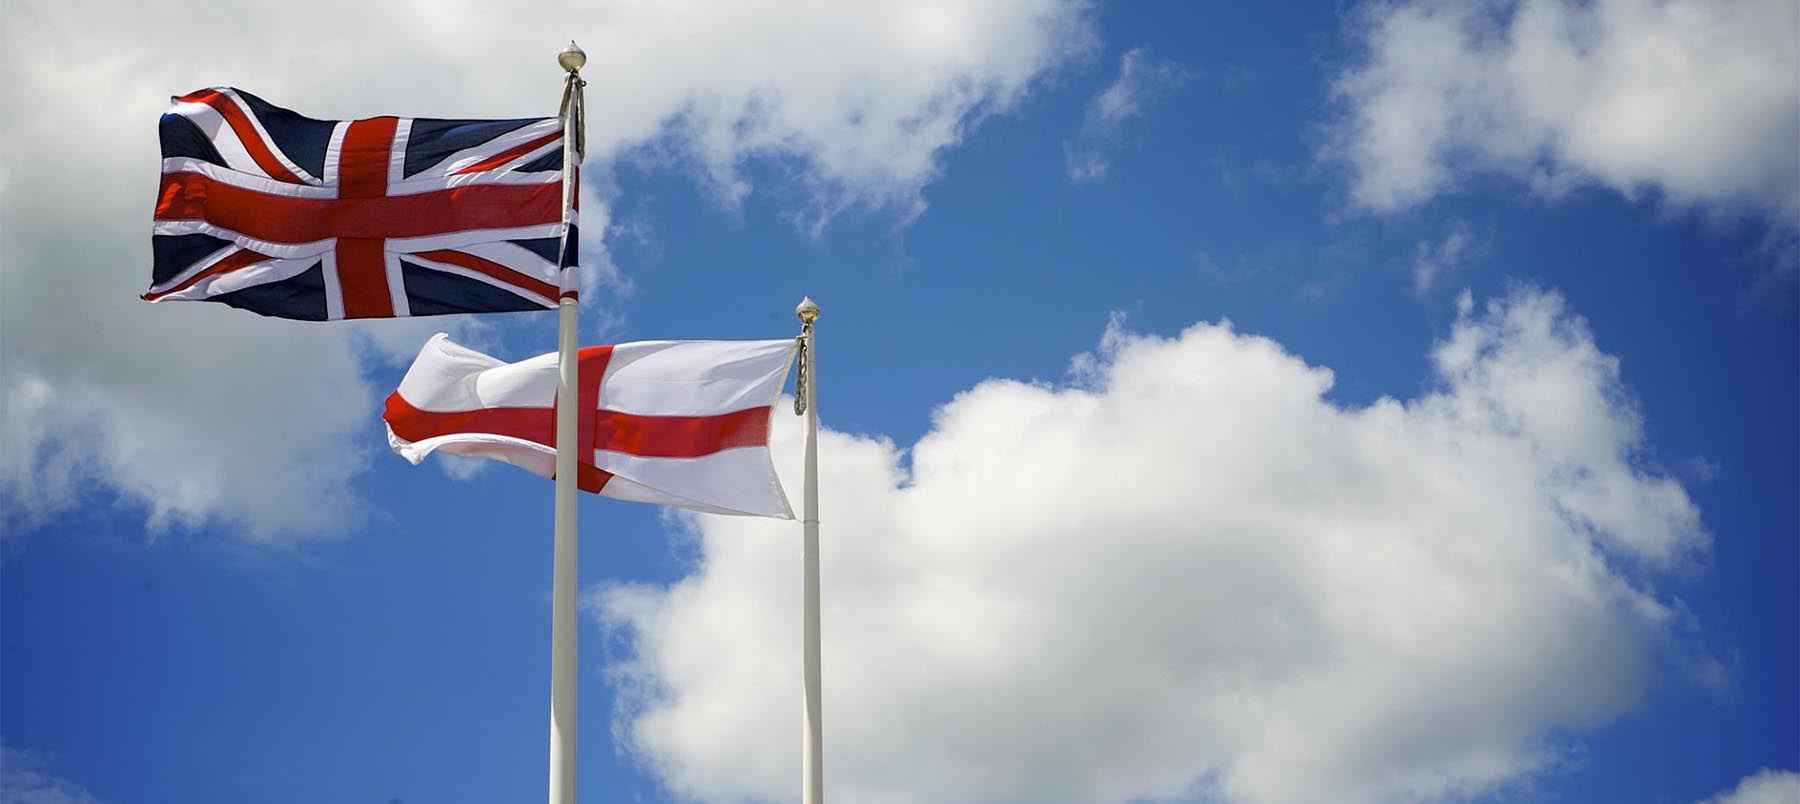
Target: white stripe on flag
{"x":694,"y":378}
{"x":223,"y":136}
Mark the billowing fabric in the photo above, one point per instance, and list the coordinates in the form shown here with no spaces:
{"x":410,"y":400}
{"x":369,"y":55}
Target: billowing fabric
{"x":681,"y":423}
{"x":286,"y":216}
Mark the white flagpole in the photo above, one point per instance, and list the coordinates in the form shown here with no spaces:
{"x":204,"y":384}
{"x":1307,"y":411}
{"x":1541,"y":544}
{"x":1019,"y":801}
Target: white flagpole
{"x":562,"y":591}
{"x":812,"y":764}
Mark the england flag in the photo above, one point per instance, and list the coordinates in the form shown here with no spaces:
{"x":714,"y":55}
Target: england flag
{"x":680,"y":423}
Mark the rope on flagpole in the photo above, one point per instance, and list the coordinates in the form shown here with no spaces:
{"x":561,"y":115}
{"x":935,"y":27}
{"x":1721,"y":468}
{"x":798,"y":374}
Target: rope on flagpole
{"x":572,"y":87}
{"x":802,"y":378}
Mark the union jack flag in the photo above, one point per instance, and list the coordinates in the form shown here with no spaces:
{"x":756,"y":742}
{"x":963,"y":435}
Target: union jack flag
{"x":264,"y":209}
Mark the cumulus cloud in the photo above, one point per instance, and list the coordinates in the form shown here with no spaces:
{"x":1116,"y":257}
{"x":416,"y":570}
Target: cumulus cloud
{"x":1763,"y":787}
{"x":1433,"y":259}
{"x":1695,"y":103}
{"x":1141,"y":82}
{"x":206,"y":414}
{"x":1185,"y":572}
{"x":26,"y":778}
{"x":865,"y":96}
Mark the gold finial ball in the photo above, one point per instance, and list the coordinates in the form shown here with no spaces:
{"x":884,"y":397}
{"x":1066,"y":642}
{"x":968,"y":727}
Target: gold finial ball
{"x":807,"y":311}
{"x":572,"y":58}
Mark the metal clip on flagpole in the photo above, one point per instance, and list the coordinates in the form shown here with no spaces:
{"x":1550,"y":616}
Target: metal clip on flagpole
{"x":562,"y":592}
{"x":806,"y":400}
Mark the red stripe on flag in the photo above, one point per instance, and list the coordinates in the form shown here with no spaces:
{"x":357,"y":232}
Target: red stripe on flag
{"x":629,"y":433}
{"x":537,"y":425}
{"x":591,"y":478}
{"x":246,"y":133}
{"x":510,"y":154}
{"x":591,"y":362}
{"x":493,"y":269}
{"x":680,"y":436}
{"x":288,"y":219}
{"x":363,"y":165}
{"x":241,"y":259}
{"x":362,"y":276}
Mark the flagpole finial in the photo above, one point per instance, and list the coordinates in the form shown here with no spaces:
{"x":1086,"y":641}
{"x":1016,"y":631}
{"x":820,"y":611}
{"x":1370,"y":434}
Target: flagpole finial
{"x":572,"y":58}
{"x":807,"y":311}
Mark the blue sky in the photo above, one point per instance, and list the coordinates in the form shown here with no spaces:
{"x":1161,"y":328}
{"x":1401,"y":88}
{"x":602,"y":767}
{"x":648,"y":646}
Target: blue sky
{"x":1485,"y":492}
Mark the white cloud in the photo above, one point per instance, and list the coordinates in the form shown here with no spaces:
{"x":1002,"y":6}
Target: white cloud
{"x":866,"y":96}
{"x":26,"y":778}
{"x":1763,"y":787}
{"x":1697,"y":103}
{"x":1142,"y":81}
{"x":1700,"y":469}
{"x":1186,"y":573}
{"x":1432,"y":260}
{"x":202,"y":413}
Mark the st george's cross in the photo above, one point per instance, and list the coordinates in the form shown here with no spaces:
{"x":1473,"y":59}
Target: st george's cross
{"x":680,"y":423}
{"x":270,"y":211}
